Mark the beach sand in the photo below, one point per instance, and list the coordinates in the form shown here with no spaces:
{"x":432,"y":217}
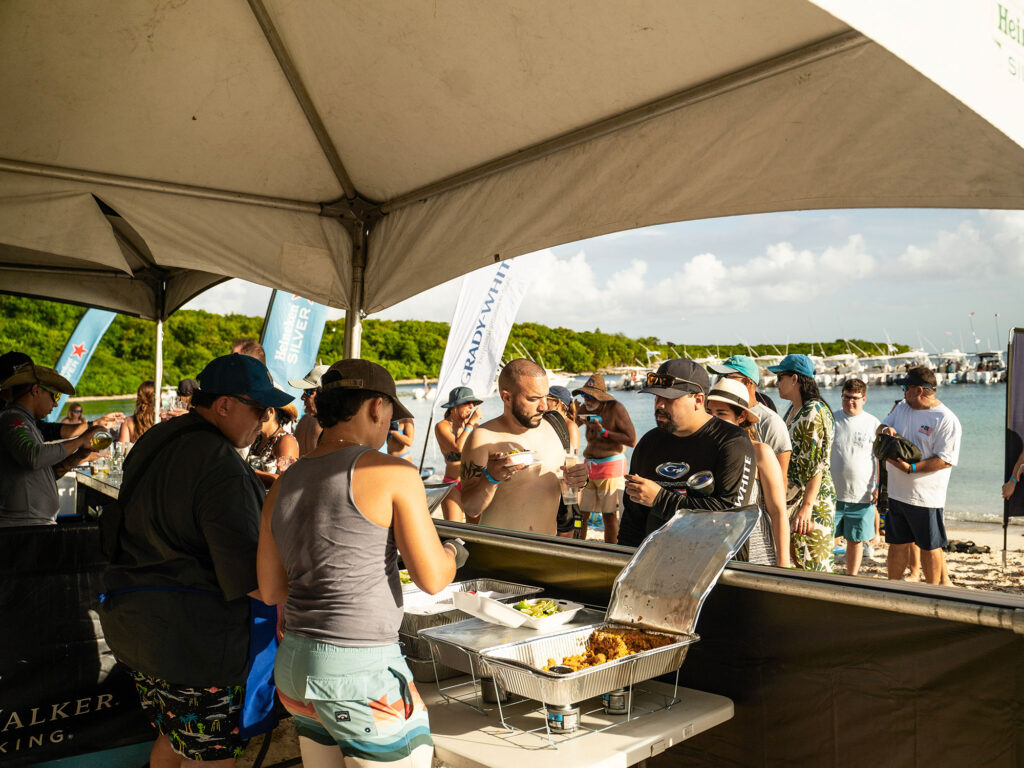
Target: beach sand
{"x":971,"y":571}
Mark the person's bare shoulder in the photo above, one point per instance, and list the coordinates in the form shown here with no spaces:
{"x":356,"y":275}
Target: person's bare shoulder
{"x":621,"y":413}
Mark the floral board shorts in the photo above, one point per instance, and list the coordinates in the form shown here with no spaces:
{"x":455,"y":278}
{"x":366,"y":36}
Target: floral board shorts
{"x":361,"y":698}
{"x":201,"y":723}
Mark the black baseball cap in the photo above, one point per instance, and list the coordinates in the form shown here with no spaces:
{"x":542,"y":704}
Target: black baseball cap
{"x":9,"y":361}
{"x":919,"y":377}
{"x":676,"y":378}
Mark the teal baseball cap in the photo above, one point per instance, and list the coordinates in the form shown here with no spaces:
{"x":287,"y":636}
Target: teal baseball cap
{"x":738,"y":364}
{"x":794,"y":364}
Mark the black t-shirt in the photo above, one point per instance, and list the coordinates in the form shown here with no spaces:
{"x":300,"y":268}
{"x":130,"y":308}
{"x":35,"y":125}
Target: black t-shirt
{"x":721,"y":448}
{"x":192,"y":523}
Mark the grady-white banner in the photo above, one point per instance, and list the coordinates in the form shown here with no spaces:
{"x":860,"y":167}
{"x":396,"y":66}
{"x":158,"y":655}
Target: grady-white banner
{"x":487,"y":307}
{"x":78,"y":351}
{"x":291,"y":337}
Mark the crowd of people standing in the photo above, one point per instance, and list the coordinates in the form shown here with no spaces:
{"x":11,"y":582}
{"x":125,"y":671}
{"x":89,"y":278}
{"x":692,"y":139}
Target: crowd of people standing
{"x":312,"y":518}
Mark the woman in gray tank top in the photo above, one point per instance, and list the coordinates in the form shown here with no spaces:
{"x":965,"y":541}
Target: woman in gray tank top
{"x":329,"y":539}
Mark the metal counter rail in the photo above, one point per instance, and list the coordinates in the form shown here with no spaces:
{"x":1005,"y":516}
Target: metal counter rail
{"x":986,"y":609}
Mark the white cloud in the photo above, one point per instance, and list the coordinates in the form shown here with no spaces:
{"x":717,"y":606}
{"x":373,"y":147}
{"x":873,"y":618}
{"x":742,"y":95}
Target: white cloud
{"x":233,"y":297}
{"x":992,"y":249}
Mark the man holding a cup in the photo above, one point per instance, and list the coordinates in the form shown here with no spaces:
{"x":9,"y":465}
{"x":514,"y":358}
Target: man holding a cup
{"x":511,"y":465}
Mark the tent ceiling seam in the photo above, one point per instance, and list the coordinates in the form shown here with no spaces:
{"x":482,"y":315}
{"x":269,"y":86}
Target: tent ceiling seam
{"x":291,"y":74}
{"x":750,"y":75}
{"x":163,"y":187}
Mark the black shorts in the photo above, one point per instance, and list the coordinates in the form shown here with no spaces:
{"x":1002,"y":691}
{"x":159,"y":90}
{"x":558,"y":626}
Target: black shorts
{"x":201,"y":723}
{"x":905,"y":524}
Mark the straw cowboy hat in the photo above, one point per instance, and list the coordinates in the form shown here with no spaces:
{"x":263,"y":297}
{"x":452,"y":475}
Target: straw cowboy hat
{"x":38,"y":374}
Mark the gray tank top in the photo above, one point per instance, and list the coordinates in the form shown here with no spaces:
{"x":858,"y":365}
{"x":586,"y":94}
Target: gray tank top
{"x":342,"y":569}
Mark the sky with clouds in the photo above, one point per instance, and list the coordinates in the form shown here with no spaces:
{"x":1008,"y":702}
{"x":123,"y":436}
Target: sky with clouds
{"x":770,"y":278}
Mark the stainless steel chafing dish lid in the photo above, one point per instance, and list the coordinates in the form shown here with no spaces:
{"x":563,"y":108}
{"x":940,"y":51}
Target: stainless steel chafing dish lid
{"x":674,"y":569}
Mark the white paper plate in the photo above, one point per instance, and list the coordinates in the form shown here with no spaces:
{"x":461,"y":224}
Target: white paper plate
{"x":488,"y":609}
{"x":564,"y":616}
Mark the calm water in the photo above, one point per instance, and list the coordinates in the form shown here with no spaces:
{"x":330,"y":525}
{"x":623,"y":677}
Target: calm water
{"x":973,"y":488}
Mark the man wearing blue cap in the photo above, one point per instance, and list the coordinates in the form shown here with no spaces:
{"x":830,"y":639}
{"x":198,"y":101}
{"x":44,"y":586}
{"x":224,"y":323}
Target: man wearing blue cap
{"x":771,"y":429}
{"x":183,"y":563}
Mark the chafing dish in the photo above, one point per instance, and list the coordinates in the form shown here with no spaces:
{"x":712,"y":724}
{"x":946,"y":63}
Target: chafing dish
{"x":661,"y":591}
{"x":458,"y":645}
{"x":422,"y":611}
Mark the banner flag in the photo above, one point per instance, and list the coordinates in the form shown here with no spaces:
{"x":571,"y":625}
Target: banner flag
{"x":1014,"y":506}
{"x":487,"y":307}
{"x":78,"y":351}
{"x":291,"y":337}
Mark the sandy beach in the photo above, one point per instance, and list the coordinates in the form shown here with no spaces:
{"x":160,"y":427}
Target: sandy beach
{"x":971,"y":571}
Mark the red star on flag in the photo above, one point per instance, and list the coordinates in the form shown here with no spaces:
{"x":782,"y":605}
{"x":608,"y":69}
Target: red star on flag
{"x":80,"y":350}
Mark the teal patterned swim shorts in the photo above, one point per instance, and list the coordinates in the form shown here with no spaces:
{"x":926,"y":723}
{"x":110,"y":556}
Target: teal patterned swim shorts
{"x":201,"y":723}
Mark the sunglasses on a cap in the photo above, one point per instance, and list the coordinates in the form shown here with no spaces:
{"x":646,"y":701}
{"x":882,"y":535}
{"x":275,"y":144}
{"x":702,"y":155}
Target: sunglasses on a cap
{"x":668,"y":381}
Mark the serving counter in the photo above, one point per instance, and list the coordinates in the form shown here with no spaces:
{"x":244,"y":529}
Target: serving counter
{"x":466,"y":738}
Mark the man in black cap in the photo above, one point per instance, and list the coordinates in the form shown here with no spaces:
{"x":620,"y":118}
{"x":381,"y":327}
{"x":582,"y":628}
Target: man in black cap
{"x":183,"y":563}
{"x":917,"y":490}
{"x":691,"y":460}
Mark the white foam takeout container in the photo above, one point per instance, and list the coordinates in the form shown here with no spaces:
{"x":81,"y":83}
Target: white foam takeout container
{"x":521,"y":458}
{"x":488,"y":609}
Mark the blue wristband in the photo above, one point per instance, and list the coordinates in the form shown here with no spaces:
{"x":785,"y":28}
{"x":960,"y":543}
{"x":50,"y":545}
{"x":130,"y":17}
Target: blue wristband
{"x":1014,"y":479}
{"x":913,"y":467}
{"x":490,"y":479}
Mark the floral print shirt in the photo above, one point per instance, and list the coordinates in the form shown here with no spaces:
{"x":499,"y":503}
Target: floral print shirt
{"x":812,"y":431}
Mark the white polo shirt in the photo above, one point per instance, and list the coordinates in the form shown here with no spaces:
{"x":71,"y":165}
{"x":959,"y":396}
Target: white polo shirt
{"x":936,"y":431}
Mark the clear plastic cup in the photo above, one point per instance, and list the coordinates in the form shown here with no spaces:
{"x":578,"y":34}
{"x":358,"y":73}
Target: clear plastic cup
{"x":570,"y":495}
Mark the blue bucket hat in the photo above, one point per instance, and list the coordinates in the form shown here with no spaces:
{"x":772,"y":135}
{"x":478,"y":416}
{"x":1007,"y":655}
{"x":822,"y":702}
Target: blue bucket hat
{"x":242,"y":375}
{"x":738,"y":364}
{"x":794,"y":364}
{"x":562,"y":394}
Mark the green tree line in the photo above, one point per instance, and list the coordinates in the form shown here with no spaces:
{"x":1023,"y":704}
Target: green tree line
{"x":408,"y":349}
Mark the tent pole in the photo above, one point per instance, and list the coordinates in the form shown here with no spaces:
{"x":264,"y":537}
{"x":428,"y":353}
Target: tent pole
{"x":159,"y":374}
{"x":354,"y":313}
{"x":426,"y":442}
{"x":353,"y":333}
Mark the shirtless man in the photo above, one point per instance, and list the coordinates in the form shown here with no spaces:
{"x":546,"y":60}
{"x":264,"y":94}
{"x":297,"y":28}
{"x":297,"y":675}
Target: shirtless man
{"x":514,"y":496}
{"x":609,"y":431}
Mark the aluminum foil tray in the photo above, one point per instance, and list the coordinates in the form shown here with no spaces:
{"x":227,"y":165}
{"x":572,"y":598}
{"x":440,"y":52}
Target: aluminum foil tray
{"x":458,"y":645}
{"x":516,"y":667}
{"x":423,"y":611}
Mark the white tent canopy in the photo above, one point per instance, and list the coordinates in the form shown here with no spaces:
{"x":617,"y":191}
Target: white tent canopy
{"x":359,"y":153}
